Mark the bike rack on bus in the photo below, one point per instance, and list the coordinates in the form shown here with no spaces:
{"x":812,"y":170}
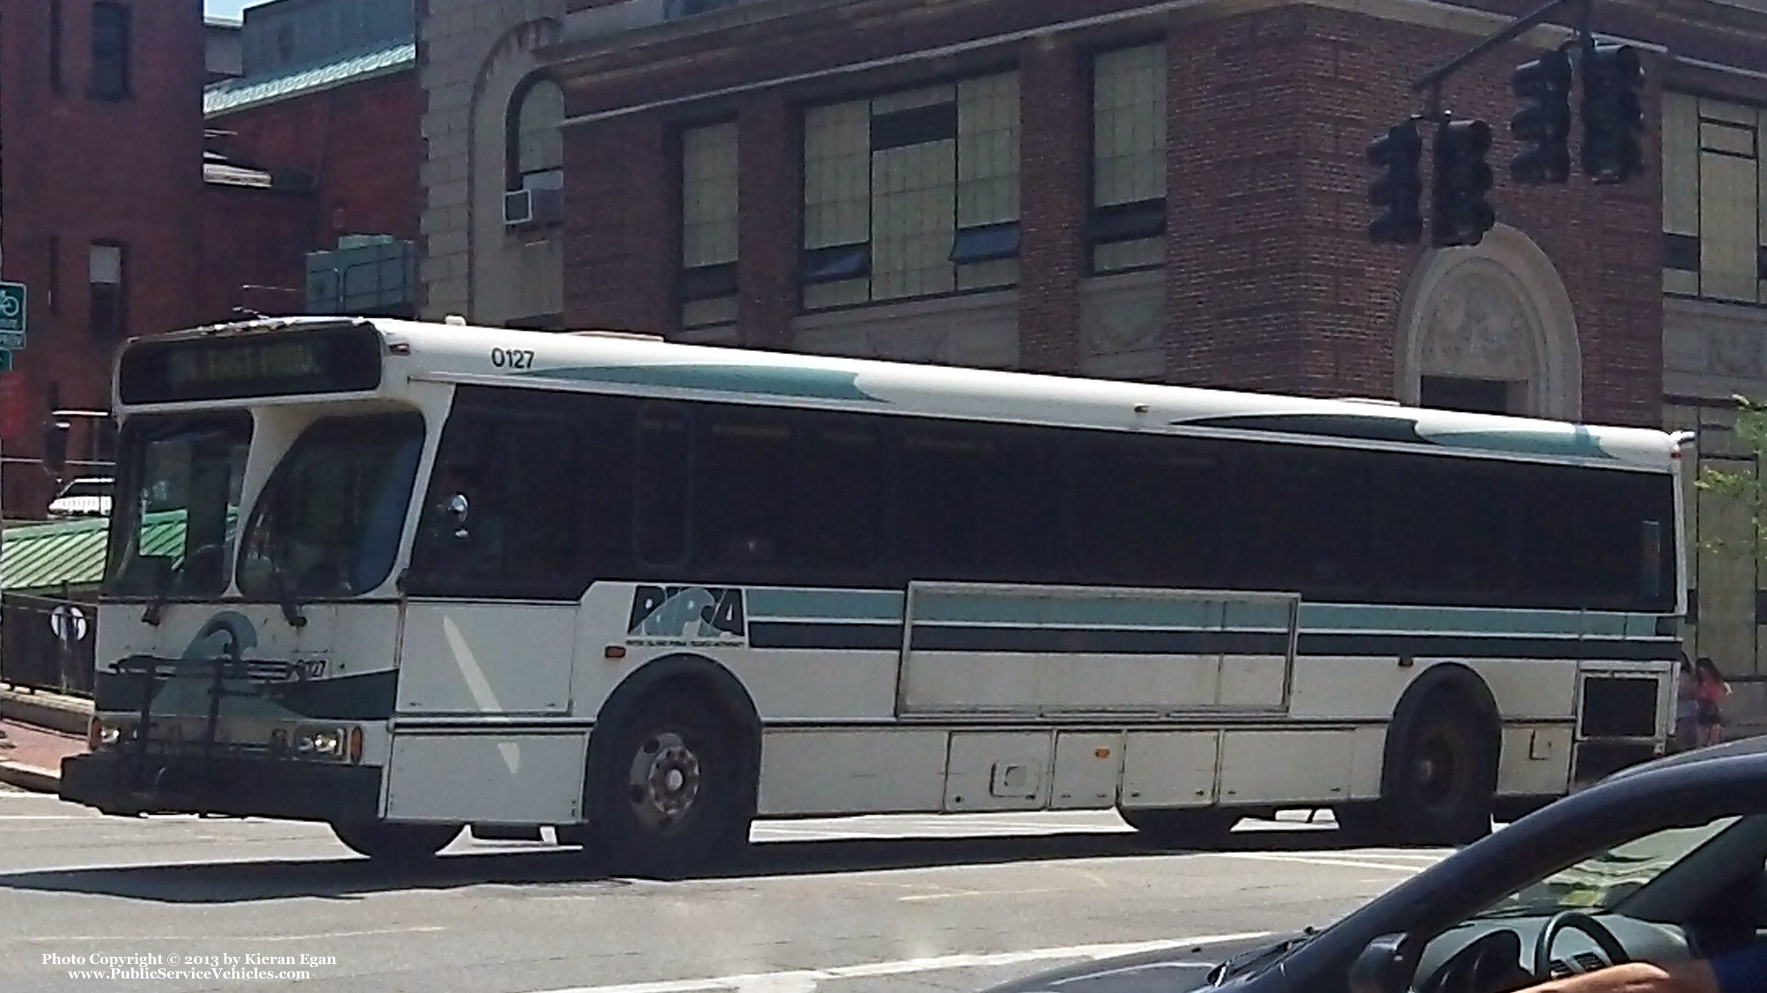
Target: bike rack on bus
{"x":150,"y":669}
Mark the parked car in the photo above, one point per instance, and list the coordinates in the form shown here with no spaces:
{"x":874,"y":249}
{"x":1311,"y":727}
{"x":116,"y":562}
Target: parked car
{"x":1662,"y":861}
{"x":85,"y":496}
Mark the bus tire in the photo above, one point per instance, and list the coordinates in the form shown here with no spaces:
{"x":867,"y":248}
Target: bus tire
{"x":671,"y":787}
{"x":1181,"y":825}
{"x":395,"y":843}
{"x":1441,"y":784}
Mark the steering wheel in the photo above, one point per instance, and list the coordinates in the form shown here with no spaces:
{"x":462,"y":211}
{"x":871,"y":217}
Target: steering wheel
{"x":1571,"y":920}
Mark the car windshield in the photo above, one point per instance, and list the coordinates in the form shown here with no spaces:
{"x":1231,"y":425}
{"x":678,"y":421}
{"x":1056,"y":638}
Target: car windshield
{"x":173,"y":531}
{"x":329,"y":521}
{"x":1600,"y":882}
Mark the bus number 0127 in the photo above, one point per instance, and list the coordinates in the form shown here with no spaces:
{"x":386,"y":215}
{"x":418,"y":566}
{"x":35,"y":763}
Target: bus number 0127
{"x":512,"y":358}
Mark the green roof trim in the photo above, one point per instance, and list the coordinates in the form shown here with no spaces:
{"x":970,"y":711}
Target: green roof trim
{"x":781,"y":381}
{"x":43,"y":557}
{"x":237,"y":94}
{"x":1575,"y":442}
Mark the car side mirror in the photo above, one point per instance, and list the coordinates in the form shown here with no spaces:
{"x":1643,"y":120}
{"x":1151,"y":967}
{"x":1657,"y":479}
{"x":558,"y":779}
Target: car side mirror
{"x":457,"y":512}
{"x":1382,"y":967}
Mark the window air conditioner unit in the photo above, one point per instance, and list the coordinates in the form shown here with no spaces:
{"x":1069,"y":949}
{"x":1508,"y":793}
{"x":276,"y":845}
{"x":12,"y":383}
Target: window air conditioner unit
{"x":533,"y":207}
{"x":518,"y":208}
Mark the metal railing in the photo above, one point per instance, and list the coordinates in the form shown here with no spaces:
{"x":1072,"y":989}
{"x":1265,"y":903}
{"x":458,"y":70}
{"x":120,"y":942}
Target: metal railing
{"x":47,"y":643}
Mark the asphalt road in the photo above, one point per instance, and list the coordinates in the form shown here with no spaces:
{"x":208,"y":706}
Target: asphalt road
{"x":855,"y":906}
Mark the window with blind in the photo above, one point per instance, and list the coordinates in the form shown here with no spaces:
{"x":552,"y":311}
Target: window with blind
{"x":1128,"y":219}
{"x":107,"y":311}
{"x":912,"y":194}
{"x":708,"y":226}
{"x":1714,"y":199}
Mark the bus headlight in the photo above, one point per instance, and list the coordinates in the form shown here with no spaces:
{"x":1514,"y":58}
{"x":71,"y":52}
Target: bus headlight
{"x":109,"y":734}
{"x":320,"y":742}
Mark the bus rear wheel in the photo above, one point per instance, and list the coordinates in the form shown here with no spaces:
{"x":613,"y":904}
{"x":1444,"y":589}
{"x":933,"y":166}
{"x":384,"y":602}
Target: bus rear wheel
{"x":395,"y":843}
{"x":1181,"y":826}
{"x":670,"y":792}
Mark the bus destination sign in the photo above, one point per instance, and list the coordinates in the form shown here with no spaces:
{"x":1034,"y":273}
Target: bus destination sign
{"x":315,"y":360}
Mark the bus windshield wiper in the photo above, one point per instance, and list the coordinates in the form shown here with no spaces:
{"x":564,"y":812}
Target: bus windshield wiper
{"x":157,"y":606}
{"x":291,"y":607}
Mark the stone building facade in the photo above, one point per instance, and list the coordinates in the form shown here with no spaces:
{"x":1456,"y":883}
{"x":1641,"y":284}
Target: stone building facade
{"x":491,"y":126}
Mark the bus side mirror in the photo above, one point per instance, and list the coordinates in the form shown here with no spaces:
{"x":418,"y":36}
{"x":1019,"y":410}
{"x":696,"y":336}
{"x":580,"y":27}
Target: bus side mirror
{"x":457,"y":509}
{"x":55,"y":445}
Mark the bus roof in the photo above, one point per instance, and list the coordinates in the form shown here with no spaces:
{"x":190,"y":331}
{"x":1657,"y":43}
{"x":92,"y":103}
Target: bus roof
{"x":623,"y":362}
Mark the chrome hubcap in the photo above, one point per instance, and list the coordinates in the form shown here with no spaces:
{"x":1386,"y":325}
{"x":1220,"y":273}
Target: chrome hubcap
{"x":664,"y":781}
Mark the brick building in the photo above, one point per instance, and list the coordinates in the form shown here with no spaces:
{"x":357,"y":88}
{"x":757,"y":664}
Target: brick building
{"x":314,"y":153}
{"x":100,"y":186}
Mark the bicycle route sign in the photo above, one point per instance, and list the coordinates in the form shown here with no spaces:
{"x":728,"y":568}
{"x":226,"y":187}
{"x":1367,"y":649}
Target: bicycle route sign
{"x":12,"y":316}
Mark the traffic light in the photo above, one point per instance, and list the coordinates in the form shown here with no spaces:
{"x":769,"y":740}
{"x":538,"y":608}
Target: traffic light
{"x":1461,"y":215}
{"x":1613,"y":116}
{"x":1543,"y":124}
{"x":1399,"y":186}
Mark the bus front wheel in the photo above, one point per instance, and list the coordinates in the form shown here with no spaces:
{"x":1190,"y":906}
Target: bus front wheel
{"x":395,"y":843}
{"x":671,"y":794}
{"x":1441,"y":779}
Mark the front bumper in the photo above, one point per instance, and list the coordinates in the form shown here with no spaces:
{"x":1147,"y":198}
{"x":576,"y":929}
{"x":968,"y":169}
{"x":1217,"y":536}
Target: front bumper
{"x":120,"y":783}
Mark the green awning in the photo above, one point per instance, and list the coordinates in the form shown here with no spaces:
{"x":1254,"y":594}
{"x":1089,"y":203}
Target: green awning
{"x":43,"y":557}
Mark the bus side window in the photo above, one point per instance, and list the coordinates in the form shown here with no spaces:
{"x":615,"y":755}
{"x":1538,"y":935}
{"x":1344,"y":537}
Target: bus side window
{"x":521,"y":531}
{"x":662,"y":483}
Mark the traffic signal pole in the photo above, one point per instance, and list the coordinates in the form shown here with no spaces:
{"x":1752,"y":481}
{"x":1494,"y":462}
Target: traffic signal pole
{"x":1612,"y":119}
{"x":1433,"y":80}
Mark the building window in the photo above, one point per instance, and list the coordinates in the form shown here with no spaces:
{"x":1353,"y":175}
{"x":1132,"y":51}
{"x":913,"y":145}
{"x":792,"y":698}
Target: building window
{"x":1128,"y":220}
{"x":912,"y":194}
{"x":535,"y":154}
{"x":709,"y":193}
{"x":110,"y":51}
{"x":108,"y":307}
{"x":1714,"y":199}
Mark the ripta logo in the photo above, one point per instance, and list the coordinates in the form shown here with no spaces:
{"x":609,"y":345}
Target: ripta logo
{"x":687,"y":615}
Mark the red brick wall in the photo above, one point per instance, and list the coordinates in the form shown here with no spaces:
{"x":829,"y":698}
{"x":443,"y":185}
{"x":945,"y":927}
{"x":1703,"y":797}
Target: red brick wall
{"x":361,"y":143}
{"x":623,"y":224}
{"x":1054,"y":196}
{"x":77,"y":169}
{"x":769,"y":143}
{"x":254,"y":250}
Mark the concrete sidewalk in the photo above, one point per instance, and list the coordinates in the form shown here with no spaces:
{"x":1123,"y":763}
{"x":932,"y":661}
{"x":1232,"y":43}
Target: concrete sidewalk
{"x":39,"y":730}
{"x":30,"y":757}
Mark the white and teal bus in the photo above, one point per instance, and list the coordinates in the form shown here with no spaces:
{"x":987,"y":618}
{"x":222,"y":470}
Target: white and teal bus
{"x":405,"y":578}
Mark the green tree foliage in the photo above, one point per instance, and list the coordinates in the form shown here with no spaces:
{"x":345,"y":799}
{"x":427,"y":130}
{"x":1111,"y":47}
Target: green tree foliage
{"x":1747,"y":489}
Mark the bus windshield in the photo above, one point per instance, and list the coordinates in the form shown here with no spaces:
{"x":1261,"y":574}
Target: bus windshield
{"x":177,"y":507}
{"x":329,"y":521}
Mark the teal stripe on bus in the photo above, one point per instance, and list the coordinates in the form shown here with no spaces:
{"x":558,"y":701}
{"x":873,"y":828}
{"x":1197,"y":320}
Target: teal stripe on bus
{"x":1099,"y":611}
{"x":846,"y":605}
{"x":1575,"y":442}
{"x":819,"y":384}
{"x":1107,"y":611}
{"x":1494,"y":620}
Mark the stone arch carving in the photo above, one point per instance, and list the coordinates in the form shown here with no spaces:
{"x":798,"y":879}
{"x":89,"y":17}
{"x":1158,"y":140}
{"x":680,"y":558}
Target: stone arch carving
{"x":495,"y":268}
{"x":1494,"y":311}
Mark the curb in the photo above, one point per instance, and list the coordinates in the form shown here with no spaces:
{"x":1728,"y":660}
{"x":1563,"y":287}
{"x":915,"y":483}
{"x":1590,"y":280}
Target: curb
{"x":40,"y":713}
{"x":29,"y":777}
